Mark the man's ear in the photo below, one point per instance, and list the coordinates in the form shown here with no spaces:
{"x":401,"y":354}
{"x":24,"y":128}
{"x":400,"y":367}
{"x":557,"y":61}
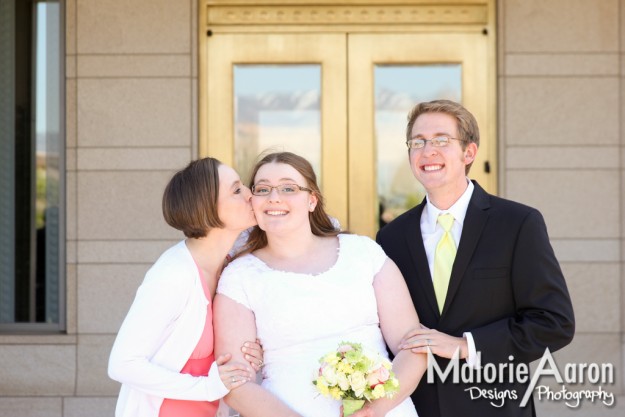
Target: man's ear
{"x":470,"y":153}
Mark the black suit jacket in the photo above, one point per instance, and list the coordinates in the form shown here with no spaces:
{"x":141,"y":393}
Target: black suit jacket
{"x":506,"y":288}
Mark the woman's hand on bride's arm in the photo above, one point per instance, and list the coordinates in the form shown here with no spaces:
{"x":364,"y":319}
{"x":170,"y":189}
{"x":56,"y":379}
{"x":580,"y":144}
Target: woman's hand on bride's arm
{"x":232,"y":374}
{"x":253,"y":352}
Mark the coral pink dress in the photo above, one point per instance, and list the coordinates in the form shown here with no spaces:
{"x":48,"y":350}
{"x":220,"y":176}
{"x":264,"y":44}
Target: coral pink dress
{"x":198,"y":365}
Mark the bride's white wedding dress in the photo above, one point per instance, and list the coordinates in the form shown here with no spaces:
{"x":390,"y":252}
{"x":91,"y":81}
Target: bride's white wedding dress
{"x":301,"y":317}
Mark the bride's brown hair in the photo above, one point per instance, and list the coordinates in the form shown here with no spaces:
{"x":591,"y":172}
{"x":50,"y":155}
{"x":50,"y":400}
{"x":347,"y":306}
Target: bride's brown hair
{"x":320,"y":223}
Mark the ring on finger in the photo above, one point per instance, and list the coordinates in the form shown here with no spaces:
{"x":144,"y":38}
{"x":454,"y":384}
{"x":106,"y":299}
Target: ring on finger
{"x":261,"y":363}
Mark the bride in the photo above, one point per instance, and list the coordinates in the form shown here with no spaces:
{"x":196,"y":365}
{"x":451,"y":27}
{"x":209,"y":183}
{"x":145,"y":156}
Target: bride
{"x":302,"y":288}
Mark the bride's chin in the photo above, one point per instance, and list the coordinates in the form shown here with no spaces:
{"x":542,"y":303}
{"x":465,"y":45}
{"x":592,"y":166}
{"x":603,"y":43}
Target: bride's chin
{"x":275,"y":229}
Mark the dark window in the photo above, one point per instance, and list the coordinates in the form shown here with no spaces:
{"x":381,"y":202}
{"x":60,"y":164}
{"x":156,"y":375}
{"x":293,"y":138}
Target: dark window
{"x":32,"y":169}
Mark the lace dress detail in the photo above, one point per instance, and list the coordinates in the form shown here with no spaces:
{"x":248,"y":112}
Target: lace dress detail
{"x":301,"y":317}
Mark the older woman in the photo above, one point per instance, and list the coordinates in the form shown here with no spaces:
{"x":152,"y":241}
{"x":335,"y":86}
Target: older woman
{"x":163,"y":353}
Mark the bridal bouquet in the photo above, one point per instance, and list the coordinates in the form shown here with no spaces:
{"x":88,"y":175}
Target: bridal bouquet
{"x":354,"y":375}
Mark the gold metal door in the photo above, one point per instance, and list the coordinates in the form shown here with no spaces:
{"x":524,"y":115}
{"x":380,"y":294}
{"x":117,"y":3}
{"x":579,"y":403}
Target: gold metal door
{"x":343,"y":120}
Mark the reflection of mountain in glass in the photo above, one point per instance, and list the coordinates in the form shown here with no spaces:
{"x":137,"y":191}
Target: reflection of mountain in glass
{"x":274,"y":113}
{"x":387,"y":99}
{"x":248,"y":105}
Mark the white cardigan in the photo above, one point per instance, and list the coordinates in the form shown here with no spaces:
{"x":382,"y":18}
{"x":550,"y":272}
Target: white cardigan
{"x":157,"y":337}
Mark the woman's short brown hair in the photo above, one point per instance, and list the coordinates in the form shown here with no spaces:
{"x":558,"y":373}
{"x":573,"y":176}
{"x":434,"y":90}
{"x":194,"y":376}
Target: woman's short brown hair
{"x":320,"y":223}
{"x":190,"y":198}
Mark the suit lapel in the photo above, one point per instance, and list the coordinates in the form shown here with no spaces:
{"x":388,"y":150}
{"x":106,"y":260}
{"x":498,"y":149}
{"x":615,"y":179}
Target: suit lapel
{"x":474,"y":222}
{"x":414,"y":241}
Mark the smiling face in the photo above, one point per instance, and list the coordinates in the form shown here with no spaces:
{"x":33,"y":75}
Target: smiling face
{"x":233,"y":204}
{"x":441,"y":170}
{"x":279,"y":213}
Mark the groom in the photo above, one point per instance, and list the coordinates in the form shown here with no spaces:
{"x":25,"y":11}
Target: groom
{"x":480,"y":269}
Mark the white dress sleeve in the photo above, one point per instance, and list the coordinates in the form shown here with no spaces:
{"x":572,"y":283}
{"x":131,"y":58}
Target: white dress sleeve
{"x":373,"y":253}
{"x":233,"y":279}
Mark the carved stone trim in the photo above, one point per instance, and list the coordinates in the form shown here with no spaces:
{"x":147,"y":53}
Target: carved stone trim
{"x":336,"y":15}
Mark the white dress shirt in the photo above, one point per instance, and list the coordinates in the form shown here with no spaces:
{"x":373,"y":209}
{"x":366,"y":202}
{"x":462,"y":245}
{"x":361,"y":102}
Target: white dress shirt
{"x":432,"y":232}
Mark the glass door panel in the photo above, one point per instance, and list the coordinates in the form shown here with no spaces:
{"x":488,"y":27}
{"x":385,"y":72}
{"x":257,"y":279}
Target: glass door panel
{"x":279,"y":92}
{"x":397,"y":90}
{"x":277,"y":108}
{"x":387,"y":75}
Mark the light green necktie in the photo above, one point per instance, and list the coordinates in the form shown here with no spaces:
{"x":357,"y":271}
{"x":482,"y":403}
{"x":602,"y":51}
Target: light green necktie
{"x":444,"y":260}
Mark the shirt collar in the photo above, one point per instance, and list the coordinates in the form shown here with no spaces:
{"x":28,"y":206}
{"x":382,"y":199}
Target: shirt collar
{"x":458,"y":209}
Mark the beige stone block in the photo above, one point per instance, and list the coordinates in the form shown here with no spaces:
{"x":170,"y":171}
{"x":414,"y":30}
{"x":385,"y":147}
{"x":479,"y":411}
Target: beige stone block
{"x":71,"y":251}
{"x":92,"y":362}
{"x":96,"y":406}
{"x":134,"y":112}
{"x":134,"y":66}
{"x":562,"y":64}
{"x":562,"y":26}
{"x":130,"y":159}
{"x":568,"y":200}
{"x":595,"y":292}
{"x":501,"y":36}
{"x":622,"y":113}
{"x":501,"y":137}
{"x":70,"y":159}
{"x":139,"y":26}
{"x":622,"y":22}
{"x":71,"y":301}
{"x":70,"y":66}
{"x":558,"y":157}
{"x":622,"y":190}
{"x":587,"y":250}
{"x":105,"y":293}
{"x":562,"y":111}
{"x":622,"y":317}
{"x":123,"y":205}
{"x":194,"y":38}
{"x":37,"y":370}
{"x":195,"y":136}
{"x":123,"y":251}
{"x":70,"y":27}
{"x":622,"y":57}
{"x":70,"y":112}
{"x":31,"y":407}
{"x":71,"y":208}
